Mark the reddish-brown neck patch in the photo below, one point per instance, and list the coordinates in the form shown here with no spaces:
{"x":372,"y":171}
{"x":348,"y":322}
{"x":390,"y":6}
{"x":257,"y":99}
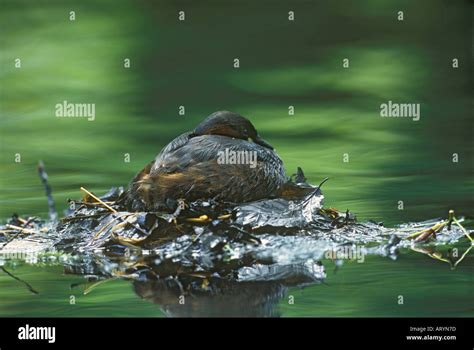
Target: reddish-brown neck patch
{"x":224,"y":130}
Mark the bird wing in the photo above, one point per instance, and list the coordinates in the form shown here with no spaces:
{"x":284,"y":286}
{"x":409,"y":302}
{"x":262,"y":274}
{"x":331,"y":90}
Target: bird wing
{"x":177,"y":143}
{"x":198,"y":150}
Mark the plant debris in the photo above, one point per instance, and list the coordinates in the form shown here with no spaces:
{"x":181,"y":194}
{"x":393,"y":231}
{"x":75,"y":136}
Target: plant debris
{"x":200,"y":243}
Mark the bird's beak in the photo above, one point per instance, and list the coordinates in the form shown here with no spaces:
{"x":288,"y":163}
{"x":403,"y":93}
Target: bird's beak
{"x":262,"y":142}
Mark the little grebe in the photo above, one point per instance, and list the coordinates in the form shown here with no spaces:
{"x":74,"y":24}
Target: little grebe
{"x":208,"y":163}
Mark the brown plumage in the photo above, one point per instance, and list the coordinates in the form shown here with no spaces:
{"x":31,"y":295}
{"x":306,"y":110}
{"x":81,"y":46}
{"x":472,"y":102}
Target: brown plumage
{"x":188,"y":167}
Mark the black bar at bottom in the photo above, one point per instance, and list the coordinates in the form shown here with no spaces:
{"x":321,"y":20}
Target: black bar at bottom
{"x":448,"y":333}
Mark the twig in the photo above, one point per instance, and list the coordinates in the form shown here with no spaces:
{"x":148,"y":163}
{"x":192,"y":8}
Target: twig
{"x":314,"y":193}
{"x":195,"y":239}
{"x":27,"y":285}
{"x":53,"y":214}
{"x":433,"y":229}
{"x":91,"y":287}
{"x":8,"y":231}
{"x":99,"y":200}
{"x":113,"y":216}
{"x":20,"y":229}
{"x":463,"y":229}
{"x":92,"y":205}
{"x":463,"y":256}
{"x":450,"y":219}
{"x":108,"y":224}
{"x":26,"y":222}
{"x":8,"y":241}
{"x":80,"y":217}
{"x":431,"y":255}
{"x":439,"y":226}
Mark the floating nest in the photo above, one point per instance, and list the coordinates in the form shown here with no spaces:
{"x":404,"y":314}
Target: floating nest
{"x":215,"y":247}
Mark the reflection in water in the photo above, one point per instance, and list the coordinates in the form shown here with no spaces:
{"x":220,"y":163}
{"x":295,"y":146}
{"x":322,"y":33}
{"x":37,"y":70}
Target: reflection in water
{"x":229,"y":298}
{"x":253,"y":290}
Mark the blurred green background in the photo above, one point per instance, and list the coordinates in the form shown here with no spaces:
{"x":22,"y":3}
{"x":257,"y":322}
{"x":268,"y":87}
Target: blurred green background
{"x":282,"y":63}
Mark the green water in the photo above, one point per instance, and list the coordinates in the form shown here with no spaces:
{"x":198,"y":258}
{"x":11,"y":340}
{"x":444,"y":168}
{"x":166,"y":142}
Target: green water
{"x":282,"y":64}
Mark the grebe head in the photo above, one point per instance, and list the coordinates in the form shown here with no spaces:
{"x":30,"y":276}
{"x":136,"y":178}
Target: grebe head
{"x":230,"y":124}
